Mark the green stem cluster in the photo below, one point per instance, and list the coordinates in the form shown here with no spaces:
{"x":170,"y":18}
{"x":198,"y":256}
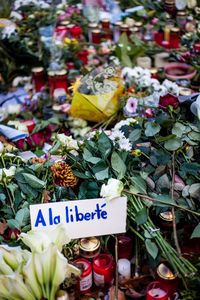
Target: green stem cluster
{"x":179,"y":264}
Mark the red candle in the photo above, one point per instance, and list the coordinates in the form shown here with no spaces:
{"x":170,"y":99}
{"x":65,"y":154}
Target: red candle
{"x":30,"y":124}
{"x":61,"y":80}
{"x":38,"y":78}
{"x":103,"y":269}
{"x":85,"y":283}
{"x":125,"y":246}
{"x":158,"y":37}
{"x":156,"y":291}
{"x":105,"y":24}
{"x":96,"y":36}
{"x":75,"y":32}
{"x":167,"y":278}
{"x":174,"y":37}
{"x":83,"y":55}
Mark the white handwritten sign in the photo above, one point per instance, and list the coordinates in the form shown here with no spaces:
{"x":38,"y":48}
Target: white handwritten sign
{"x":82,"y":218}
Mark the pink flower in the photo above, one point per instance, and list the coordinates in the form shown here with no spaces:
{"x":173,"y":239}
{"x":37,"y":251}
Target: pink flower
{"x":131,"y":106}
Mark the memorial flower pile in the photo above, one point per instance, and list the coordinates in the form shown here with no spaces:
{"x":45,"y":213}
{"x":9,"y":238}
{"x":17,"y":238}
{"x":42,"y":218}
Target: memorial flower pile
{"x":99,"y":130}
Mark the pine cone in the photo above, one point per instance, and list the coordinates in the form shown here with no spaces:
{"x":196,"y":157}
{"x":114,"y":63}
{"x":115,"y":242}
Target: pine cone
{"x":63,"y":175}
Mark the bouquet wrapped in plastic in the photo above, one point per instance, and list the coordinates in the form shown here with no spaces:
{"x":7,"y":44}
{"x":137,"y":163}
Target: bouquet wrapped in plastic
{"x":96,"y":94}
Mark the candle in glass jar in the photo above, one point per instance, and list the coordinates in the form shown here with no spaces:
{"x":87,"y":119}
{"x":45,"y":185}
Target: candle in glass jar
{"x":75,"y":32}
{"x":91,"y":27}
{"x":125,"y":246}
{"x":51,"y":79}
{"x":156,"y":291}
{"x":38,"y":78}
{"x":165,"y":275}
{"x":124,"y":268}
{"x":144,"y":62}
{"x":105,"y":24}
{"x":96,"y":36}
{"x":30,"y":124}
{"x":85,"y":282}
{"x":61,"y":80}
{"x":174,"y":37}
{"x":103,"y":269}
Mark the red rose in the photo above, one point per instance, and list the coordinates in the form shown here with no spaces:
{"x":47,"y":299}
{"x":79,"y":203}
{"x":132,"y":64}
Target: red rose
{"x":12,"y":234}
{"x":168,"y":100}
{"x":21,"y":144}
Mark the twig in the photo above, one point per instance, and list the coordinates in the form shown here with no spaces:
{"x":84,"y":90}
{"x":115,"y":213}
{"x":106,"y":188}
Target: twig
{"x":160,"y":201}
{"x":116,"y":268}
{"x":173,"y":212}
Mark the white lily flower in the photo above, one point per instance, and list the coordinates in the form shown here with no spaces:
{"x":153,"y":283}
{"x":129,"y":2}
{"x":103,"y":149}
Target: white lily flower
{"x":12,"y":256}
{"x":18,"y":288}
{"x":5,"y":288}
{"x":59,"y":236}
{"x":29,"y":272}
{"x":5,"y":269}
{"x":14,"y":109}
{"x":112,"y":190}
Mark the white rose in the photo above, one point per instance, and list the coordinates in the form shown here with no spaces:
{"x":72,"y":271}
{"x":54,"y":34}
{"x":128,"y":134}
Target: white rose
{"x":23,"y":127}
{"x":72,"y":144}
{"x":8,"y":173}
{"x":191,"y":3}
{"x":112,"y":190}
{"x":14,"y":109}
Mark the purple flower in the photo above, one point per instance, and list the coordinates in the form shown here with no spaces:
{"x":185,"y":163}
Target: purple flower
{"x":131,"y":107}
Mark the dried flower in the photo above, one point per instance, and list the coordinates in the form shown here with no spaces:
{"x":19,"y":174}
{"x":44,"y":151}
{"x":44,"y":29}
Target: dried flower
{"x":63,"y":175}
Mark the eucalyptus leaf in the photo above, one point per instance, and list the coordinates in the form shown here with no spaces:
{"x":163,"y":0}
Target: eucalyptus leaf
{"x":164,"y":198}
{"x":12,"y":223}
{"x":196,"y":232}
{"x":118,"y":165}
{"x":135,"y":135}
{"x":104,"y":145}
{"x":178,"y":129}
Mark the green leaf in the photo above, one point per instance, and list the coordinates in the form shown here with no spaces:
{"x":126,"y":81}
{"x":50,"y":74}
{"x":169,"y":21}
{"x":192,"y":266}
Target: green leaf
{"x":23,"y":216}
{"x":161,"y":139}
{"x":80,"y":175}
{"x":28,"y":190}
{"x":135,"y":135}
{"x":33,"y":181}
{"x":173,"y":144}
{"x":189,"y":168}
{"x":12,"y":223}
{"x":178,"y":129}
{"x":151,"y":248}
{"x":139,"y":185}
{"x":141,"y":216}
{"x":87,"y":155}
{"x":151,"y":128}
{"x":196,"y":232}
{"x":194,"y":136}
{"x":2,"y":198}
{"x":101,"y":171}
{"x":164,"y":198}
{"x":104,"y":145}
{"x":55,"y":147}
{"x":118,"y":165}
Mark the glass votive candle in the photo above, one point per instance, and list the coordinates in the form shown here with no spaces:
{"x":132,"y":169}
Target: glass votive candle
{"x":75,"y":32}
{"x":61,"y":32}
{"x":165,"y":275}
{"x":103,"y":270}
{"x":174,"y":37}
{"x":105,"y":24}
{"x":125,"y":247}
{"x":96,"y":36}
{"x":38,"y":78}
{"x":124,"y":28}
{"x":91,"y":26}
{"x":70,"y":65}
{"x":157,"y":291}
{"x":166,"y":220}
{"x":85,"y":282}
{"x":181,"y":18}
{"x":124,"y":268}
{"x":196,"y":47}
{"x":89,"y":247}
{"x":61,"y":80}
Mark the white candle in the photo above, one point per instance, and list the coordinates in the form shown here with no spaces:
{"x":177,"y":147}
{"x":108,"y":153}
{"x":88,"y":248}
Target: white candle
{"x":124,"y":267}
{"x":144,"y":62}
